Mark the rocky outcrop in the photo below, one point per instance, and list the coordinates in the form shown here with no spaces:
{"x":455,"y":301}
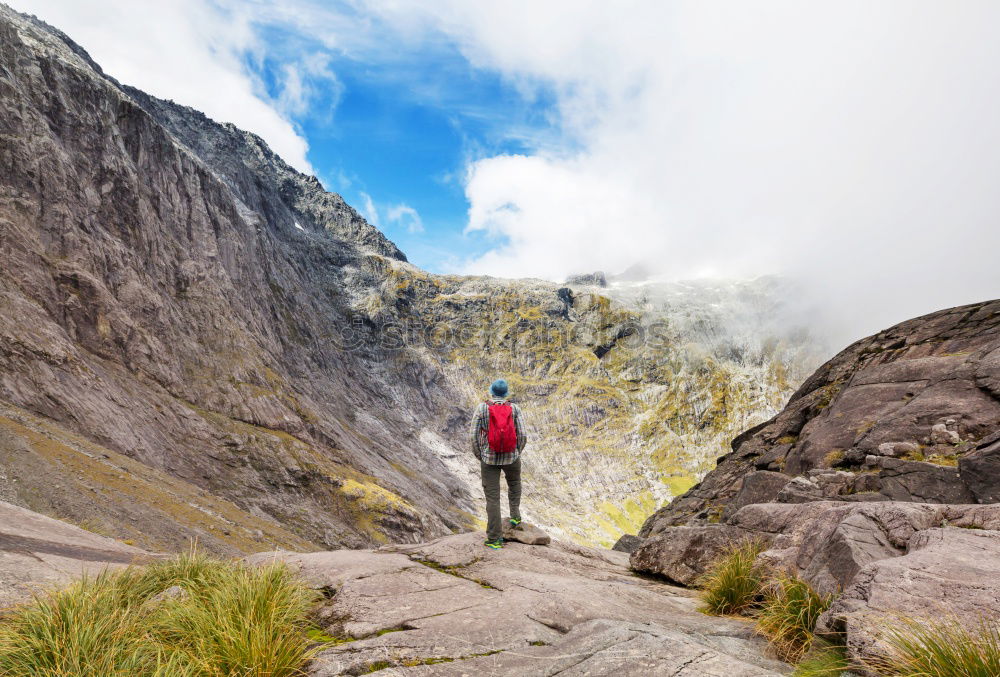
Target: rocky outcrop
{"x":879,"y":561}
{"x":684,"y":554}
{"x":907,"y":414}
{"x":947,"y":573}
{"x":38,"y":553}
{"x":861,"y":483}
{"x":451,"y":607}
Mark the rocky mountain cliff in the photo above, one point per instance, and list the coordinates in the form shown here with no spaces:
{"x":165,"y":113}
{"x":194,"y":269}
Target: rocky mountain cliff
{"x":877,"y":484}
{"x":197,"y":340}
{"x":909,"y":414}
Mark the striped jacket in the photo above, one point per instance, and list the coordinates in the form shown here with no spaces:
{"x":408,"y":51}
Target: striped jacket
{"x":481,"y":447}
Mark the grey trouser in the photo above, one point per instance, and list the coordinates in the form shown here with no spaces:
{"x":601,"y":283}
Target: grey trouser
{"x":491,"y":487}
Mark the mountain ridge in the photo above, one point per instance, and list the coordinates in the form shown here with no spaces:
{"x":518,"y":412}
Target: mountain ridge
{"x":174,"y":292}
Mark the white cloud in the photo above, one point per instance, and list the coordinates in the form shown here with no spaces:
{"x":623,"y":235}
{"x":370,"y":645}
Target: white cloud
{"x":368,"y":210}
{"x":852,"y":144}
{"x":190,"y":51}
{"x":304,"y":81}
{"x":405,"y":216}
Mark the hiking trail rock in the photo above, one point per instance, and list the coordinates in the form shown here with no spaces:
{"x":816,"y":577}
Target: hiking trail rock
{"x":453,"y":607}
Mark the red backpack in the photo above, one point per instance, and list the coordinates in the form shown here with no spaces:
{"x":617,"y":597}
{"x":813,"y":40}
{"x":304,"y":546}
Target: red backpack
{"x":501,"y":432}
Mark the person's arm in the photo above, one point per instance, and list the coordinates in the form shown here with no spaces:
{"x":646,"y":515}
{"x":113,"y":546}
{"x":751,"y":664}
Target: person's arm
{"x":477,"y":427}
{"x":522,"y":433}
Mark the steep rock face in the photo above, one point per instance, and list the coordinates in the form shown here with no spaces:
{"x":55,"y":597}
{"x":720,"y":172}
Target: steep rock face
{"x":629,"y":391}
{"x":169,"y":308}
{"x":907,"y":414}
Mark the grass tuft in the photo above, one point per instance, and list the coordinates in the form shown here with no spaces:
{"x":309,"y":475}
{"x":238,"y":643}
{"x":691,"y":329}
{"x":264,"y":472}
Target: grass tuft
{"x":788,"y":616}
{"x":941,"y":648}
{"x":734,"y":583}
{"x":231,"y":620}
{"x":823,"y":660}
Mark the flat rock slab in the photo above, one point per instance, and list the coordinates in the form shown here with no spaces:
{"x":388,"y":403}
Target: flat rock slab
{"x":947,"y":573}
{"x":605,"y":647}
{"x":39,"y":552}
{"x":454,"y":607}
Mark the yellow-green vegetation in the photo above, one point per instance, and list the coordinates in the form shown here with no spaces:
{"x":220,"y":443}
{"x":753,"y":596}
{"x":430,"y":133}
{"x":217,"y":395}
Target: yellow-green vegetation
{"x":630,"y":516}
{"x":833,"y":457}
{"x":824,"y":396}
{"x":823,"y":660}
{"x":940,"y":648}
{"x":784,"y":607}
{"x":357,"y":494}
{"x":787,"y":616}
{"x":228,"y":619}
{"x":110,"y":480}
{"x":622,"y":412}
{"x":734,"y":584}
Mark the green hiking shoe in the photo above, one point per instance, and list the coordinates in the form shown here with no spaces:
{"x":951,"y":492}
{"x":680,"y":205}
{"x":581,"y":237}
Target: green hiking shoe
{"x":495,"y":545}
{"x":514,"y":521}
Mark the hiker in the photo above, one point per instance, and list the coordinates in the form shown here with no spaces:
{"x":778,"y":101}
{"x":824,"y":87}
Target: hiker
{"x":497,"y":440}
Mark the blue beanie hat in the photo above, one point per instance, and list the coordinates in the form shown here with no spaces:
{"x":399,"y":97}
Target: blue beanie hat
{"x":499,"y":388}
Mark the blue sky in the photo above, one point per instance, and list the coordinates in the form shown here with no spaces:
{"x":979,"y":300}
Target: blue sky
{"x":401,"y":133}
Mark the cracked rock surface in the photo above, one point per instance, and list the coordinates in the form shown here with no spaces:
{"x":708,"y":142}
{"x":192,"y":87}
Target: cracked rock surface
{"x":453,"y":607}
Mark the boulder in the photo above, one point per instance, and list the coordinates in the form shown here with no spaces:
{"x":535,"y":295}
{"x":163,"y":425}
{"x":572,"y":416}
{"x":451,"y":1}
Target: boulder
{"x":682,"y":554}
{"x":627,"y":543}
{"x":896,"y":449}
{"x":980,"y":470}
{"x":947,"y":573}
{"x":922,"y":482}
{"x":800,"y":490}
{"x":762,"y":486}
{"x":526,"y":533}
{"x":827,"y":543}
